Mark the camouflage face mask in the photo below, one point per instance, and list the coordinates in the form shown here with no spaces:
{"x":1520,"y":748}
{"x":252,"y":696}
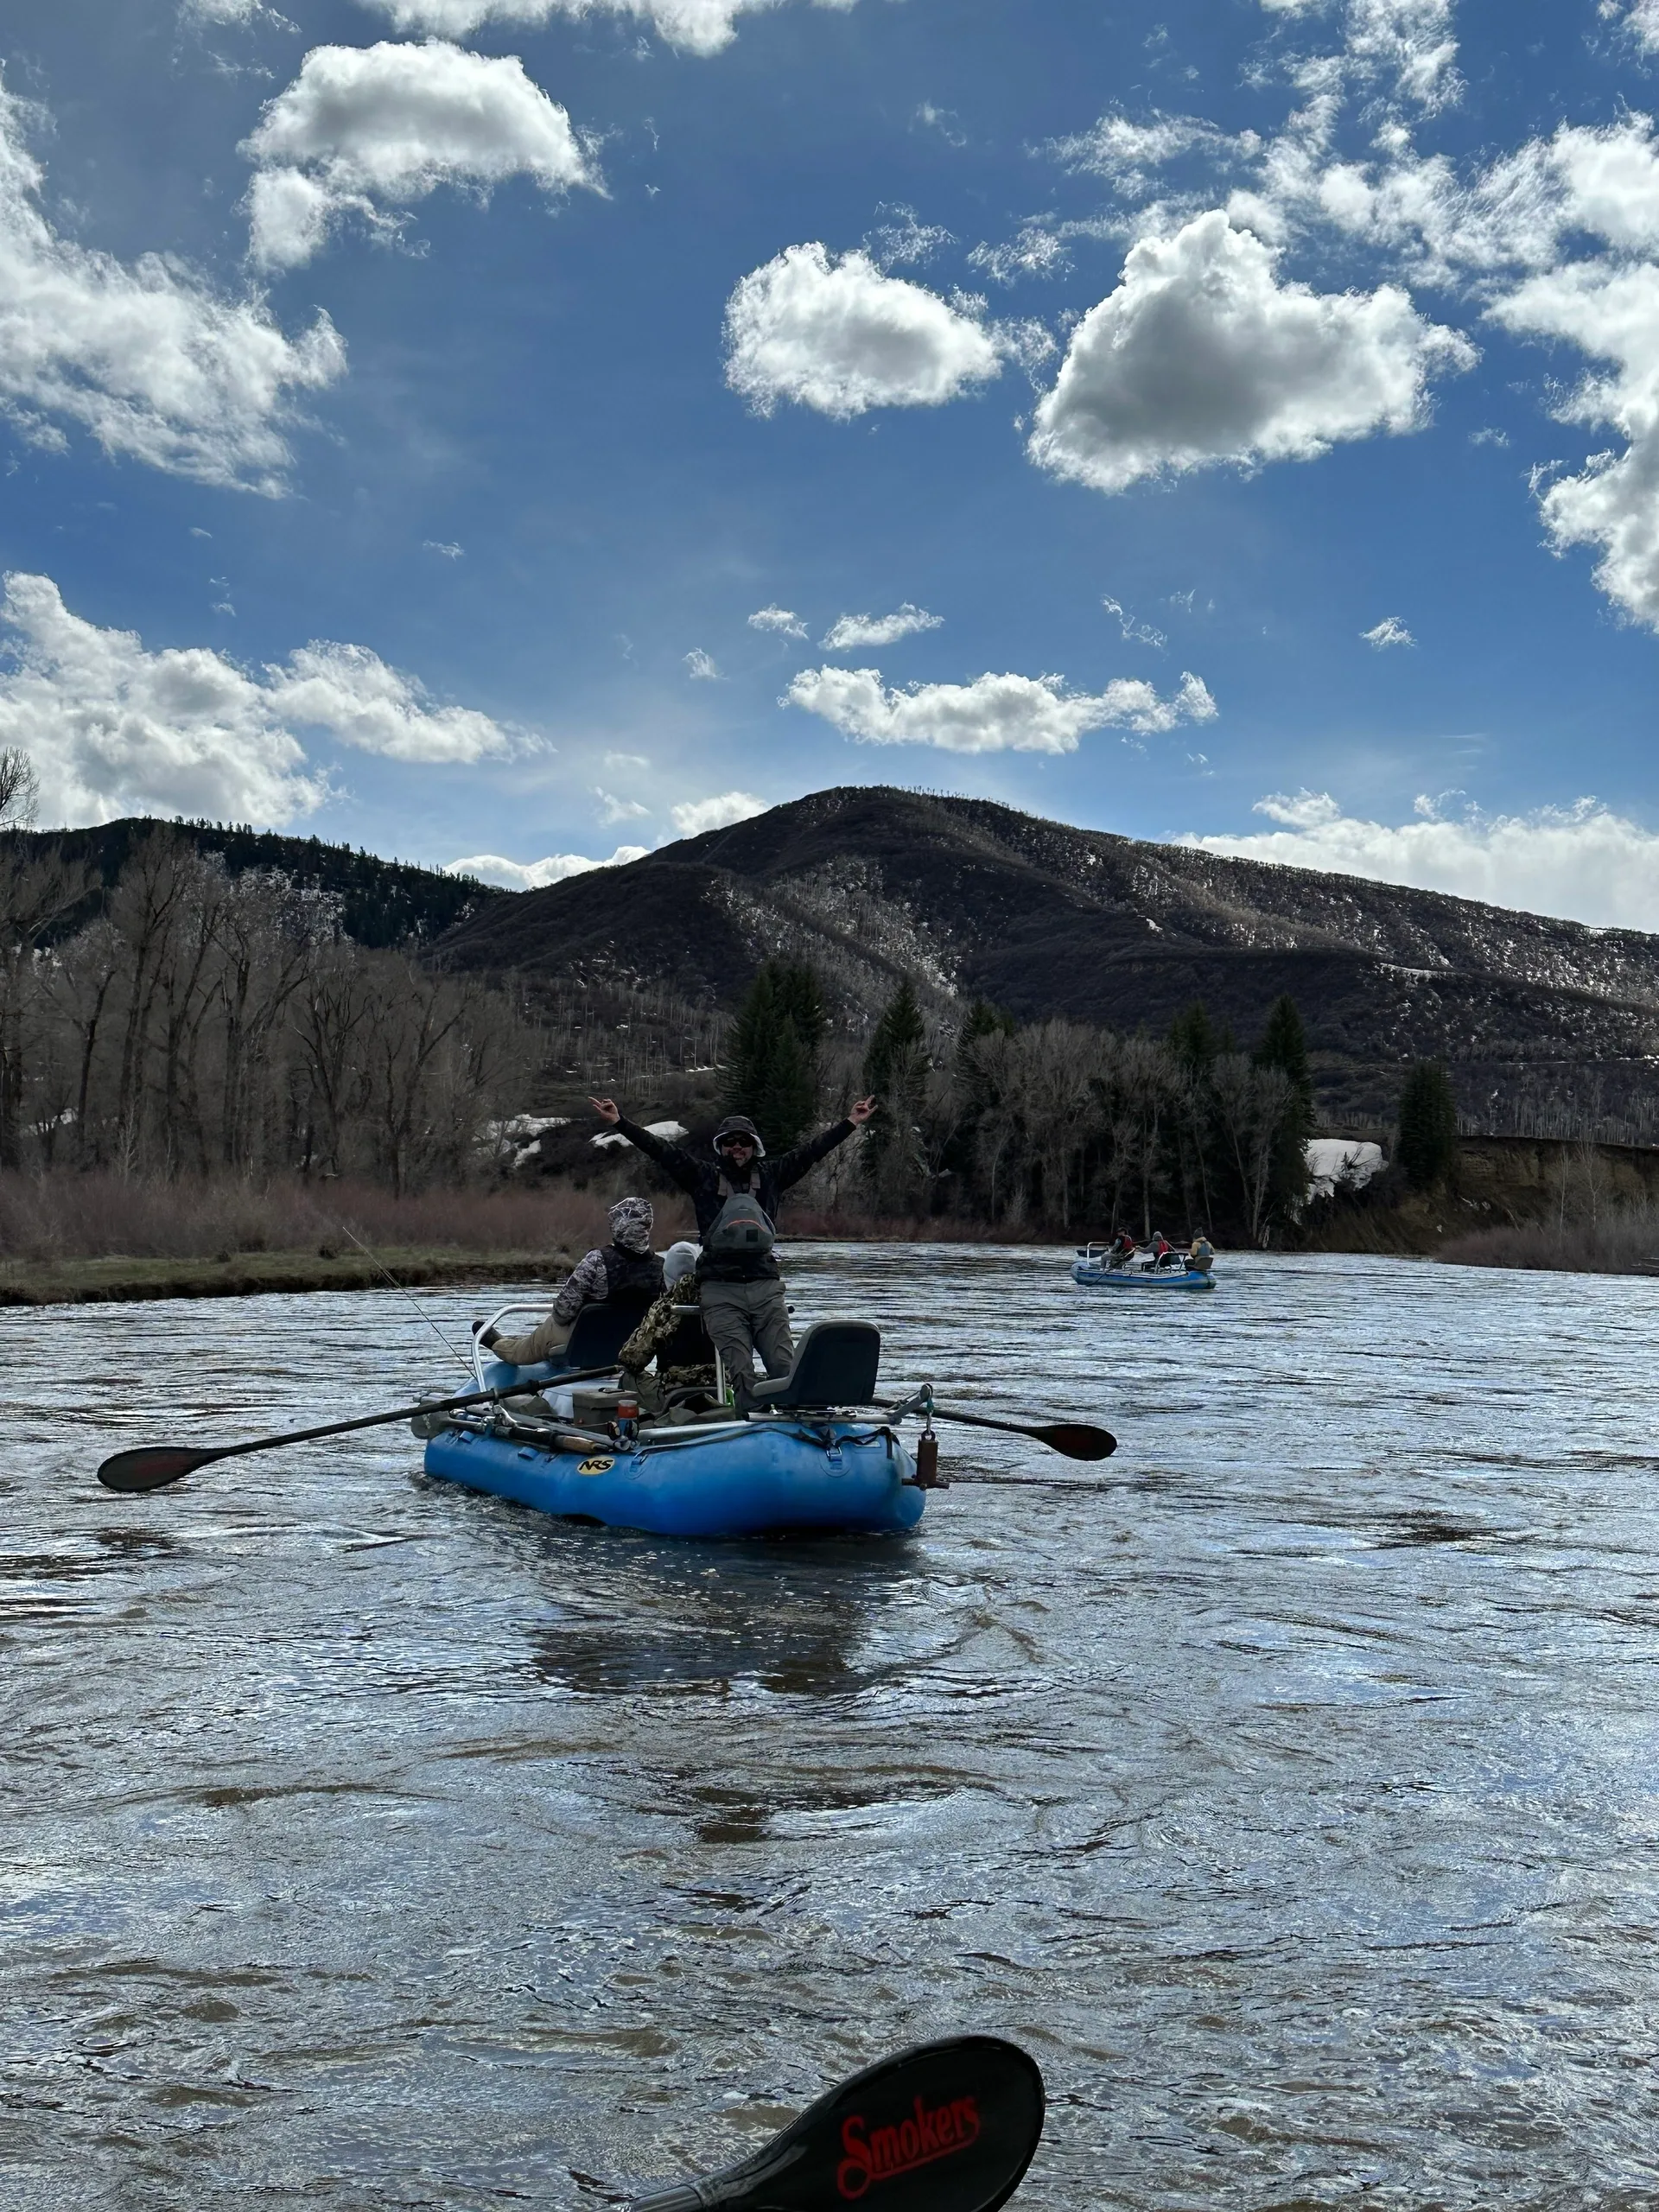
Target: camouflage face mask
{"x":631,"y":1223}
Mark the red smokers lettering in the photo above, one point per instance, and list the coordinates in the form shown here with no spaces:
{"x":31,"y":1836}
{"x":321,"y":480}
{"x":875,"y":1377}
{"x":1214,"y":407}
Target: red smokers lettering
{"x":878,"y":2153}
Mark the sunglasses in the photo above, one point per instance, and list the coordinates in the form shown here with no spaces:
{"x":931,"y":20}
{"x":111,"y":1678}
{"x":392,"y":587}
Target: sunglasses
{"x":737,"y":1144}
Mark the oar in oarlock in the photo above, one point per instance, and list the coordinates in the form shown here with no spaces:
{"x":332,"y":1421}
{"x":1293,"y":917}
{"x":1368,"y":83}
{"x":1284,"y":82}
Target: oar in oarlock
{"x":152,"y":1466}
{"x":1077,"y":1440}
{"x":946,"y":2127}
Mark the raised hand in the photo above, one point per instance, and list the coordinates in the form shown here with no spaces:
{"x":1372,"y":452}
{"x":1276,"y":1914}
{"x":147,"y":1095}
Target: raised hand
{"x":606,"y":1108}
{"x":859,"y":1113}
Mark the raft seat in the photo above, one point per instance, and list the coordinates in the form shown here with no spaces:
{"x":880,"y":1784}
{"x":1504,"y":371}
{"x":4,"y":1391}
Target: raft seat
{"x":598,"y":1333}
{"x":835,"y":1363}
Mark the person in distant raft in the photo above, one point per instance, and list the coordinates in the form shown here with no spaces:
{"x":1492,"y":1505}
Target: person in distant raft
{"x":626,"y":1272}
{"x":1200,"y":1254}
{"x":735,"y":1198}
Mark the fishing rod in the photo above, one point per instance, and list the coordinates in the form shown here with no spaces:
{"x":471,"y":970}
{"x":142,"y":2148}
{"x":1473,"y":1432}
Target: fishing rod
{"x":375,"y":1261}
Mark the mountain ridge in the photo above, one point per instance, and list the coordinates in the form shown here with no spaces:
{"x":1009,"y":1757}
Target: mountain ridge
{"x":971,"y":899}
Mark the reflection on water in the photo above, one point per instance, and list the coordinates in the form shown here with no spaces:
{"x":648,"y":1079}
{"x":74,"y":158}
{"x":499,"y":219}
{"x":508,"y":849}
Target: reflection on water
{"x":368,"y":1843}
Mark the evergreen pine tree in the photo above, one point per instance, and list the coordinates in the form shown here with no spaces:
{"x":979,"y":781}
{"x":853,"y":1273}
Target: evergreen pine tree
{"x":749,"y":1048}
{"x":895,"y":1074}
{"x":800,"y":1002}
{"x":1284,"y":1046}
{"x":1193,"y":1039}
{"x":772,"y":1053}
{"x":1427,"y":1145}
{"x":897,"y":1052}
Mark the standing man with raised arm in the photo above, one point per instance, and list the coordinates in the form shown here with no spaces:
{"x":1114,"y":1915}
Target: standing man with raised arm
{"x":735,"y":1196}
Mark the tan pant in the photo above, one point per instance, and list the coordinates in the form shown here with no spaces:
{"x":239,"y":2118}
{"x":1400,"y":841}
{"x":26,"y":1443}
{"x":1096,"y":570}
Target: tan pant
{"x":540,"y":1343}
{"x":744,"y":1317}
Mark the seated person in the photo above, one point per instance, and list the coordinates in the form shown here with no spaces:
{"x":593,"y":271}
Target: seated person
{"x":672,"y":1333}
{"x":1123,"y":1251}
{"x":626,"y":1270}
{"x":1162,"y":1250}
{"x":1200,"y":1254}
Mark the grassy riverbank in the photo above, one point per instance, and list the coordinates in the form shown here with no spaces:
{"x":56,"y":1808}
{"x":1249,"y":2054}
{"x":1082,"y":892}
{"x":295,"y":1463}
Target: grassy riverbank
{"x":114,"y":1279}
{"x":68,"y":1239}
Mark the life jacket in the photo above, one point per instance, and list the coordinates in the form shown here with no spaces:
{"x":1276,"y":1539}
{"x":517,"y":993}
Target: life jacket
{"x":630,"y":1278}
{"x":742,"y":1230}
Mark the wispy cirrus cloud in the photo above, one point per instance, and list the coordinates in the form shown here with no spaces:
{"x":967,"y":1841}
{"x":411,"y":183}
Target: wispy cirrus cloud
{"x":777,"y":619}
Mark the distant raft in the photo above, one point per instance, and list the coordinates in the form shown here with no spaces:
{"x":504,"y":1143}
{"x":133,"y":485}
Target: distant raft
{"x":1090,"y":1267}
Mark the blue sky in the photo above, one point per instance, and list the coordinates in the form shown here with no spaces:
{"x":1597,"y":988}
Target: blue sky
{"x":1234,"y":420}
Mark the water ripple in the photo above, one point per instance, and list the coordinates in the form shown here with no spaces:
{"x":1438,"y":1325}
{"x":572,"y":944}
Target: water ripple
{"x":1291,"y":1794}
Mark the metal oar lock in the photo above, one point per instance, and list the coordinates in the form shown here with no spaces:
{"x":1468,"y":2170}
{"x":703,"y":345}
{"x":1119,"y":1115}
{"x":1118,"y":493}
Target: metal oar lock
{"x":927,"y":1454}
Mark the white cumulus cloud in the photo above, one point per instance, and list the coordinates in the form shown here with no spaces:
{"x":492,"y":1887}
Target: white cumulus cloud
{"x":839,"y":335}
{"x":698,"y":815}
{"x":853,"y":630}
{"x":353,"y":694}
{"x":698,"y":26}
{"x":1610,"y":312}
{"x":780,"y":618}
{"x":147,"y":358}
{"x":1202,"y":355}
{"x":613,"y":808}
{"x":1583,"y":862}
{"x":115,"y":729}
{"x":994,"y":714}
{"x":536,"y":875}
{"x":1390,"y":631}
{"x":363,"y":127}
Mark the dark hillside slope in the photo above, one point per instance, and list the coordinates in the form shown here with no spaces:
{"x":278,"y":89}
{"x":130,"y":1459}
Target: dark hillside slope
{"x":381,"y":902}
{"x":976,"y":899}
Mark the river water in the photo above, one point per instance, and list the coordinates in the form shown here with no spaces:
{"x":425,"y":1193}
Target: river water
{"x":1290,"y":1797}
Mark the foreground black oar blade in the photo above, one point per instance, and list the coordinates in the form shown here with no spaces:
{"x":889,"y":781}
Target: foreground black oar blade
{"x":1077,"y":1439}
{"x":946,"y":2127}
{"x":148,"y":1466}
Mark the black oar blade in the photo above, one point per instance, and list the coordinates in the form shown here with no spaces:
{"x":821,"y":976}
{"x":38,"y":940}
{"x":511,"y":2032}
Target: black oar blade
{"x":1078,"y":1439}
{"x":151,"y":1466}
{"x":947,"y":2127}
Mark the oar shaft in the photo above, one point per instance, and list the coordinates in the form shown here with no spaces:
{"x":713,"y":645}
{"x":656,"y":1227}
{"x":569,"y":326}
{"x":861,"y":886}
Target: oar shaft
{"x":408,"y":1413}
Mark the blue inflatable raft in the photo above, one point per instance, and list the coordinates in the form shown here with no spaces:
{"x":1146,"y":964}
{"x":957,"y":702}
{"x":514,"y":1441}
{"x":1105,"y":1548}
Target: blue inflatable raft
{"x":801,"y":1457}
{"x":1090,"y":1267}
